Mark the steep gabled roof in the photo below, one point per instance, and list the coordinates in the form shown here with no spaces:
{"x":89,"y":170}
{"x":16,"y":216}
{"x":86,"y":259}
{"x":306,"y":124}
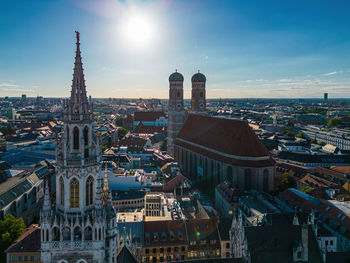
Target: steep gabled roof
{"x":29,"y":241}
{"x":225,"y":139}
{"x":229,"y":136}
{"x":148,"y":115}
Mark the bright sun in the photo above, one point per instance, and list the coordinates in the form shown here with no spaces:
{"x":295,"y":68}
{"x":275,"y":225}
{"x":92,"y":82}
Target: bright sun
{"x":137,"y":30}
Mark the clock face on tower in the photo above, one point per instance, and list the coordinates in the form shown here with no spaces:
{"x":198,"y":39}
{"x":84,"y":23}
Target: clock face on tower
{"x":201,"y":105}
{"x":178,"y":106}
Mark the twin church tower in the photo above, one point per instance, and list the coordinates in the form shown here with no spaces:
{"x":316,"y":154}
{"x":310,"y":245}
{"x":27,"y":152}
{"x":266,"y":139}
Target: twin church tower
{"x":176,"y":112}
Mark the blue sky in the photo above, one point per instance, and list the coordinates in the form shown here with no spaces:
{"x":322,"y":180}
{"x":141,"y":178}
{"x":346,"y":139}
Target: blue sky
{"x":256,"y":48}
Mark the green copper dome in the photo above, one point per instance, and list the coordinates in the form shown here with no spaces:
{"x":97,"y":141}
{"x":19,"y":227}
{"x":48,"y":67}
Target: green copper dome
{"x":198,"y":77}
{"x":176,"y":76}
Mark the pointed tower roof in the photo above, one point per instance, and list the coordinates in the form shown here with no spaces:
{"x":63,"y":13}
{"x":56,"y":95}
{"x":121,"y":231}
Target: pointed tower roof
{"x":105,"y":187}
{"x":47,"y":200}
{"x":78,"y":103}
{"x":98,"y":196}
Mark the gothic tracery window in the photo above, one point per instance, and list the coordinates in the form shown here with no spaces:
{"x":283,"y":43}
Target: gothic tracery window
{"x":86,"y":134}
{"x":74,"y":193}
{"x":89,"y":190}
{"x":61,"y":191}
{"x":76,"y":138}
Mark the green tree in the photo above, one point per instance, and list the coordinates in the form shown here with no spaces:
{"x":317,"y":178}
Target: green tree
{"x":119,"y":121}
{"x":8,"y":130}
{"x":287,"y":182}
{"x":122,"y":132}
{"x":300,"y":135}
{"x":289,"y":133}
{"x":104,"y":147}
{"x":334,"y":123}
{"x":10,"y":229}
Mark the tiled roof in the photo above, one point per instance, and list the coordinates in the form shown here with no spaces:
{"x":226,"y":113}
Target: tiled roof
{"x":175,"y":182}
{"x":148,"y":115}
{"x":274,"y":243}
{"x":142,"y":129}
{"x":333,"y":173}
{"x":226,"y":140}
{"x":207,"y":228}
{"x":333,"y":214}
{"x":228,"y":191}
{"x":341,"y":169}
{"x":314,"y":181}
{"x":29,"y":241}
{"x":125,"y":256}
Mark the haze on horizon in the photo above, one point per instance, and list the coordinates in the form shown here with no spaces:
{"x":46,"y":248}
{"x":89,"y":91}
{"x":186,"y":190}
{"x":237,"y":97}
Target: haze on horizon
{"x":246,"y":49}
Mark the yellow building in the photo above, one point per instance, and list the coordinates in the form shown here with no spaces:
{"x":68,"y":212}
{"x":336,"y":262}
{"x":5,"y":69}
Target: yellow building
{"x":26,"y":248}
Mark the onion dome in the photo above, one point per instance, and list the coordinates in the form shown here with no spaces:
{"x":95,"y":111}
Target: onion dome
{"x":176,"y":76}
{"x":198,"y":77}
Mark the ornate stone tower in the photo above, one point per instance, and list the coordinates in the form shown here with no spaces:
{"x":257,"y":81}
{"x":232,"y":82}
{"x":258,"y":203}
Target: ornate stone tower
{"x":198,"y":100}
{"x":176,"y":113}
{"x":80,"y":228}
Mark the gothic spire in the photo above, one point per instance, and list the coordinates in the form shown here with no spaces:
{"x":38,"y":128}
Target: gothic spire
{"x":47,"y":201}
{"x":78,"y":100}
{"x":98,"y":196}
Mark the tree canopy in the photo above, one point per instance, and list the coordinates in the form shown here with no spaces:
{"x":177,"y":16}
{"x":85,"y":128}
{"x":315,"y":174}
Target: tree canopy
{"x":10,"y":229}
{"x":122,"y":132}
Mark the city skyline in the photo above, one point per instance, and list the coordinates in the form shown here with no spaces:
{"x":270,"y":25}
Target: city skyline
{"x":265,"y":50}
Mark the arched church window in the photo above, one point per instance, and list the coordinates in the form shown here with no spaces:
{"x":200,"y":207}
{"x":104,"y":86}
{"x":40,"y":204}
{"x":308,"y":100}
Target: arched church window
{"x":74,"y":193}
{"x":77,"y":233}
{"x":266,"y":180}
{"x":86,"y":134}
{"x":88,"y":233}
{"x":201,"y":94}
{"x":55,"y":234}
{"x":178,"y":94}
{"x":229,"y":174}
{"x":61,"y":191}
{"x":89,"y":190}
{"x":247,"y":178}
{"x":218,"y":172}
{"x":67,"y":132}
{"x":76,"y":138}
{"x":47,"y":235}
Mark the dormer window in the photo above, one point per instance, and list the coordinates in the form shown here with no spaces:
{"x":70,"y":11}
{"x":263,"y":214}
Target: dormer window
{"x":179,"y":234}
{"x":147,"y":238}
{"x":163,"y":236}
{"x":171,"y":235}
{"x":155,"y":236}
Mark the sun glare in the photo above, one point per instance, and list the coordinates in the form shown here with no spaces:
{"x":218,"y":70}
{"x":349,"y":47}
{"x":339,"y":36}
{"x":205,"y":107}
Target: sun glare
{"x":137,"y":30}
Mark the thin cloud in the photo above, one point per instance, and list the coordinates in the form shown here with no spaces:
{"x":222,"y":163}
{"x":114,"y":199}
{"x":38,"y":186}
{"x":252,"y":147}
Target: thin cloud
{"x":8,"y":85}
{"x":330,"y":73}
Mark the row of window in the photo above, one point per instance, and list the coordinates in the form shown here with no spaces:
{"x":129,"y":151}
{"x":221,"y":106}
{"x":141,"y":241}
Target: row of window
{"x":74,"y":192}
{"x":134,"y":202}
{"x":202,"y":242}
{"x":189,"y":160}
{"x":162,"y":249}
{"x":25,"y":258}
{"x":164,"y":236}
{"x":77,"y":234}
